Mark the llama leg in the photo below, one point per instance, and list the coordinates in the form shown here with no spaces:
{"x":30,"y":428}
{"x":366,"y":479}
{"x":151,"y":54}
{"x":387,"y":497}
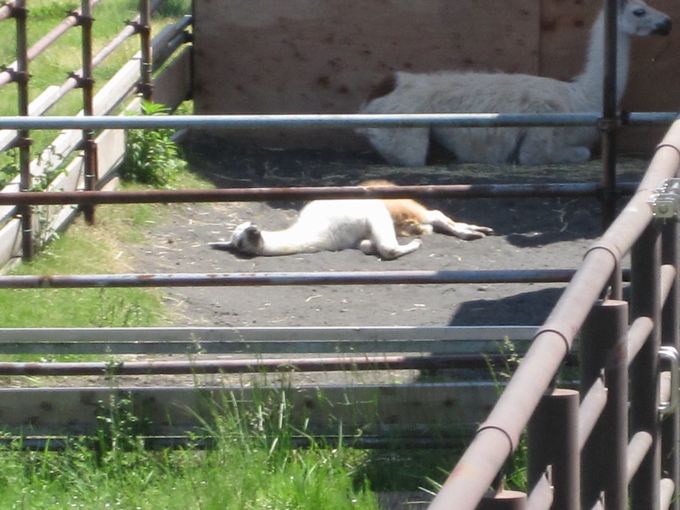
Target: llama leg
{"x":565,"y":155}
{"x":384,"y":238}
{"x":445,"y":225}
{"x":388,"y":252}
{"x":401,"y":146}
{"x":548,"y":147}
{"x":367,"y":247}
{"x":396,"y":250}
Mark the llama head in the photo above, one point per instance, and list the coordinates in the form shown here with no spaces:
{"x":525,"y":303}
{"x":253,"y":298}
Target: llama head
{"x":638,"y":18}
{"x":247,"y":239}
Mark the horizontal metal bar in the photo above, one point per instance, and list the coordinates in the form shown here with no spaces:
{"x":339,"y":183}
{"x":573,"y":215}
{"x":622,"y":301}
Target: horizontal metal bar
{"x":249,"y":334}
{"x":638,"y":333}
{"x":197,"y":439}
{"x":325,"y":120}
{"x":255,"y":341}
{"x":591,"y":408}
{"x":237,"y":366}
{"x":305,"y":193}
{"x":287,"y":278}
{"x":666,"y":493}
{"x":638,"y":447}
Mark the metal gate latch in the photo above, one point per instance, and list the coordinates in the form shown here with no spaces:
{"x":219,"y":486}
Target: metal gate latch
{"x":665,"y":201}
{"x":671,"y":355}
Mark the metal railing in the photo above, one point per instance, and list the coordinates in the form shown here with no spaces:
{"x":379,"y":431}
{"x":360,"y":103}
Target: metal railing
{"x":18,"y":72}
{"x":606,"y":459}
{"x":580,"y":456}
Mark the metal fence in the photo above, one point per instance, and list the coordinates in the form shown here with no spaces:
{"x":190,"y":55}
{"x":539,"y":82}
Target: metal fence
{"x":581,"y":454}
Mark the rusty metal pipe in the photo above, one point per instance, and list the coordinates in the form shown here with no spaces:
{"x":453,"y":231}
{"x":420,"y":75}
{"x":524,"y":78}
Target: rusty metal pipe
{"x":644,"y":377}
{"x":553,"y":441}
{"x":146,"y":63}
{"x":105,"y":52}
{"x":609,"y":122}
{"x":638,"y":333}
{"x":45,"y":42}
{"x":21,"y":75}
{"x":591,"y":409}
{"x":638,"y":447}
{"x":284,"y":278}
{"x":499,"y":435}
{"x":6,"y":10}
{"x":237,"y":366}
{"x":304,"y":193}
{"x":670,"y":336}
{"x":541,"y":495}
{"x":668,"y":276}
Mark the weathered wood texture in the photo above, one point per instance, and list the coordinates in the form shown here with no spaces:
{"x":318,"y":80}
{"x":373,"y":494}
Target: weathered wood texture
{"x":447,"y":409}
{"x":266,"y":56}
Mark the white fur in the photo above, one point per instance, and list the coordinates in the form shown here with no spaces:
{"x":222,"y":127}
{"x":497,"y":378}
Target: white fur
{"x":509,"y":93}
{"x":326,"y":225}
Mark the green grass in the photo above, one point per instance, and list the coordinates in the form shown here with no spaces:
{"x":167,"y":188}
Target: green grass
{"x":52,"y":66}
{"x":98,"y":249}
{"x":248,"y":468}
{"x":84,"y":250}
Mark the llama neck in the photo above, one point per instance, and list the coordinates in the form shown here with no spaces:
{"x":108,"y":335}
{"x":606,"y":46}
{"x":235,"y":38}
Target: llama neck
{"x":590,"y":80}
{"x":287,"y":242}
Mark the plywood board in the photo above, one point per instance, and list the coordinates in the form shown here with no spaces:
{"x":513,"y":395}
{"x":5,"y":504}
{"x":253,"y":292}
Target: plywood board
{"x":173,"y":85}
{"x":654,"y":77}
{"x":324,"y":57}
{"x":268,"y":56}
{"x":419,"y":408}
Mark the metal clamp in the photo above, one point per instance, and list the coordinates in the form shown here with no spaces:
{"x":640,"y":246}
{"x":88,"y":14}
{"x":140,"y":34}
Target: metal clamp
{"x":671,"y":354}
{"x":665,"y":201}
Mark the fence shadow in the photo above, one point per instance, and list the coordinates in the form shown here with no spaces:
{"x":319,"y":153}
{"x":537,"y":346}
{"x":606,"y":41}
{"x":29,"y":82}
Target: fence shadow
{"x":526,"y":308}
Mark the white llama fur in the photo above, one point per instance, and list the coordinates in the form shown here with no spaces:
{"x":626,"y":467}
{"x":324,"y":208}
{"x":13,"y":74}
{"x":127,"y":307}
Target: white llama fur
{"x":508,"y":93}
{"x":370,"y":225}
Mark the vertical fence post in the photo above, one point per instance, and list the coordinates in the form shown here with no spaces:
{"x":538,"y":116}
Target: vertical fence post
{"x":604,"y":353}
{"x":20,"y":75}
{"x":504,"y":500}
{"x":644,"y":387}
{"x":608,"y":123}
{"x":553,"y":441}
{"x":670,"y":336}
{"x":86,"y":82}
{"x":144,"y":29}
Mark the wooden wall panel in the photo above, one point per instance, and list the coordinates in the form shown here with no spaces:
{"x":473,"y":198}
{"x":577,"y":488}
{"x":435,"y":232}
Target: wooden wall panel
{"x":654,"y":80}
{"x":313,"y":56}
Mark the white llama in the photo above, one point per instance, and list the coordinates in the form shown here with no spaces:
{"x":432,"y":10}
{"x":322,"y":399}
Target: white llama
{"x":370,"y":225}
{"x":507,"y":93}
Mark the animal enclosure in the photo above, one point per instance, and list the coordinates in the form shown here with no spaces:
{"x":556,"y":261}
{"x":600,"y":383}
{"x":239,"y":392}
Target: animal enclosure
{"x":651,"y":242}
{"x":325,"y":56}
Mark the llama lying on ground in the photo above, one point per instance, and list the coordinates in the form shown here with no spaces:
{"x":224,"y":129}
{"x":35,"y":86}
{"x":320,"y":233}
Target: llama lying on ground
{"x":370,"y":225}
{"x":411,"y":218}
{"x":507,"y":93}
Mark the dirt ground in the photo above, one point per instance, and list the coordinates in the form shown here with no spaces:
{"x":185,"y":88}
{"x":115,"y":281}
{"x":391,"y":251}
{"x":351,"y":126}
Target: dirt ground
{"x":530,"y":234}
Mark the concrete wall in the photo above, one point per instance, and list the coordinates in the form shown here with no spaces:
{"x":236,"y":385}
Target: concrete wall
{"x":323,"y":56}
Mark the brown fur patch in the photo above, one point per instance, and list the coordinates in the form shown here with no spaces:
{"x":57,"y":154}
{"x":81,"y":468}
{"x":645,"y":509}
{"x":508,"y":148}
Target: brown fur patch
{"x":385,"y":87}
{"x":407,"y":214}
